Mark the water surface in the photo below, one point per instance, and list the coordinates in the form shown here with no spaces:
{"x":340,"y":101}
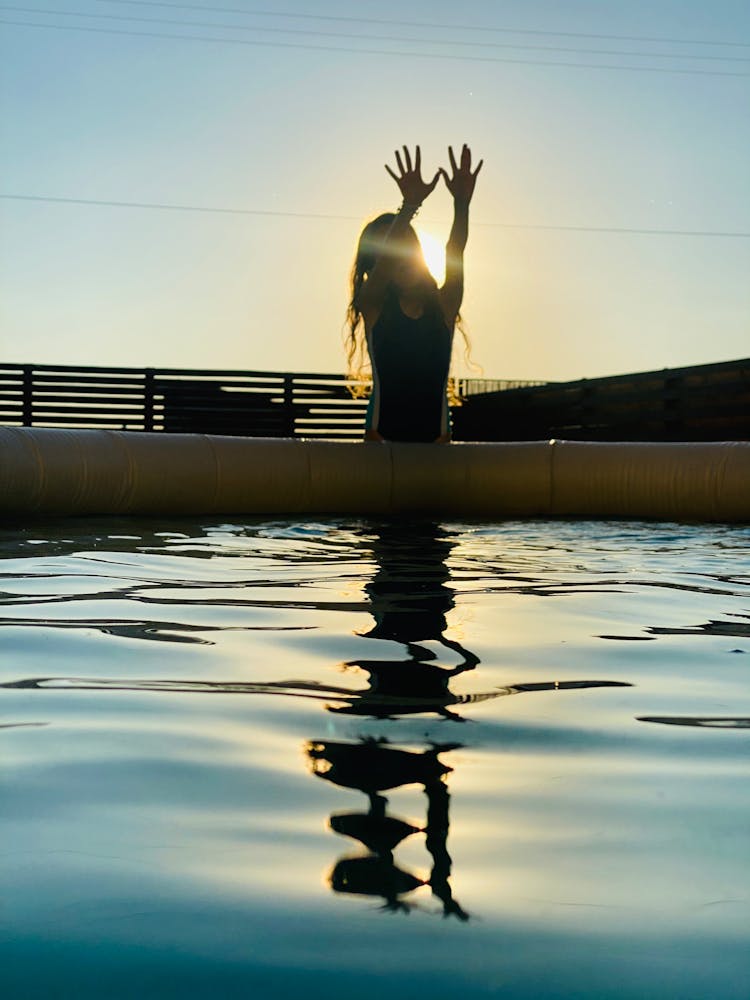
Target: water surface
{"x":352,"y":758}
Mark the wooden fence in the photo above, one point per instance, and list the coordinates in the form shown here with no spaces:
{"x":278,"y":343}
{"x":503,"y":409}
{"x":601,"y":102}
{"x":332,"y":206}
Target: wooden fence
{"x":699,"y":403}
{"x":247,"y":403}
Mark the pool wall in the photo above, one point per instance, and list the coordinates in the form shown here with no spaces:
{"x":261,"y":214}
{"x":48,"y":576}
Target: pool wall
{"x":70,"y":472}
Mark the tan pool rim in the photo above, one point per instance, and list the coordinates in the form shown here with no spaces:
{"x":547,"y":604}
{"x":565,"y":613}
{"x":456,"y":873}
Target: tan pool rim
{"x":75,"y":472}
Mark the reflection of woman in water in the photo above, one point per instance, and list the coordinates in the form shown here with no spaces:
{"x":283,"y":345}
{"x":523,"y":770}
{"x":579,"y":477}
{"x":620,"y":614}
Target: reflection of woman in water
{"x":408,"y":321}
{"x":373,"y":767}
{"x":409,"y":600}
{"x":409,"y":594}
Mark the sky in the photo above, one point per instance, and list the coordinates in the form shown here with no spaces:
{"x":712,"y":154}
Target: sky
{"x":183,"y":184}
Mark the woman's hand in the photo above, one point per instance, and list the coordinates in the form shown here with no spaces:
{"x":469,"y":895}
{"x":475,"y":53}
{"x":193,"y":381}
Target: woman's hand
{"x":409,"y":178}
{"x":461,"y":184}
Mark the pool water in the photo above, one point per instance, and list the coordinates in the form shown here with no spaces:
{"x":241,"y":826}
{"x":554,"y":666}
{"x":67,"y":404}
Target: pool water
{"x":354,"y":759}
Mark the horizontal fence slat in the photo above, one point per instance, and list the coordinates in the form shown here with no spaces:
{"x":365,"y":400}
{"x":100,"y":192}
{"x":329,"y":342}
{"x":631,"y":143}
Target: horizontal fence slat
{"x":83,"y":370}
{"x":219,"y":373}
{"x":86,"y":398}
{"x":50,"y":389}
{"x":237,"y":386}
{"x":78,"y":421}
{"x":325,"y":423}
{"x":83,"y":380}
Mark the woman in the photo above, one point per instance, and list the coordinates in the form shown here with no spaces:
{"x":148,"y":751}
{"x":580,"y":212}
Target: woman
{"x":408,"y":321}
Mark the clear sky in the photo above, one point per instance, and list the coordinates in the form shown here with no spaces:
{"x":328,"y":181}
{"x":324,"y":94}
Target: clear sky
{"x":285,"y":114}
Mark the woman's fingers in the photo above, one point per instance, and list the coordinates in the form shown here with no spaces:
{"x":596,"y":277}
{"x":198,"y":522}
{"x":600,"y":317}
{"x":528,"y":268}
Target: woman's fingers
{"x":460,"y":181}
{"x":409,"y":176}
{"x":407,"y":166}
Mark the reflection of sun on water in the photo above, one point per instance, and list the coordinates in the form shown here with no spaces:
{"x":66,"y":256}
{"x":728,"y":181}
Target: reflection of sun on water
{"x":434,"y":254}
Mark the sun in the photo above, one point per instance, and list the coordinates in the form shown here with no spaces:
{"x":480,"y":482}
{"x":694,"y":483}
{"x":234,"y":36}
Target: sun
{"x":434,"y":254}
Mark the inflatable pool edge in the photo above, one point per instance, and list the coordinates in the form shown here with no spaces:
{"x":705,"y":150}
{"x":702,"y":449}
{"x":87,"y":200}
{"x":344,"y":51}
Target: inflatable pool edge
{"x":51,"y":471}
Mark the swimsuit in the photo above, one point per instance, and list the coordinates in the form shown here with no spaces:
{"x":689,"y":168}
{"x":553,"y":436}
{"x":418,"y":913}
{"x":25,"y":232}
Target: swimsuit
{"x":410,"y":363}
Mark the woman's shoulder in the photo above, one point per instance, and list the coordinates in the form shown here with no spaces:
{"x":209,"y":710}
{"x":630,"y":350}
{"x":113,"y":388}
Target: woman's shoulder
{"x":383,"y":308}
{"x":447,"y":308}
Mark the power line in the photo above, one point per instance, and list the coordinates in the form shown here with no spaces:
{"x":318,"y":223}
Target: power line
{"x":160,"y":206}
{"x":379,"y":52}
{"x":375,"y":38}
{"x":177,"y":208}
{"x":484,"y":28}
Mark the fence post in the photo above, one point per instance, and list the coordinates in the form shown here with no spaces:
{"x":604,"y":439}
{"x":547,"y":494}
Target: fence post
{"x":27,"y":414}
{"x":672,"y":404}
{"x":588,"y":407}
{"x":148,"y":400}
{"x":288,"y":405}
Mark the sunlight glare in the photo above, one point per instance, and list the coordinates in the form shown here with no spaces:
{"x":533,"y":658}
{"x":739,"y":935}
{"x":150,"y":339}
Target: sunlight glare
{"x":434,"y":254}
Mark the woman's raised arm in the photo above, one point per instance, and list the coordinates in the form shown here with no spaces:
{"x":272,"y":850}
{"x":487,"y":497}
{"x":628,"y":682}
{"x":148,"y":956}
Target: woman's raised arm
{"x":413,"y":190}
{"x":461,"y":185}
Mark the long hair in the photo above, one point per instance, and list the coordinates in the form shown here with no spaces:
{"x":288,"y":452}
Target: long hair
{"x":369,"y":248}
{"x":371,"y":245}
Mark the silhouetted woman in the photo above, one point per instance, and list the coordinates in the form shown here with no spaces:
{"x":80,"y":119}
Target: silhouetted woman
{"x":408,"y":321}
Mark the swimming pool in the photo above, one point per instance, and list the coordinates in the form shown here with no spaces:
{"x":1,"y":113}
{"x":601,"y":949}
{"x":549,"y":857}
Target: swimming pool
{"x":355,"y":757}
